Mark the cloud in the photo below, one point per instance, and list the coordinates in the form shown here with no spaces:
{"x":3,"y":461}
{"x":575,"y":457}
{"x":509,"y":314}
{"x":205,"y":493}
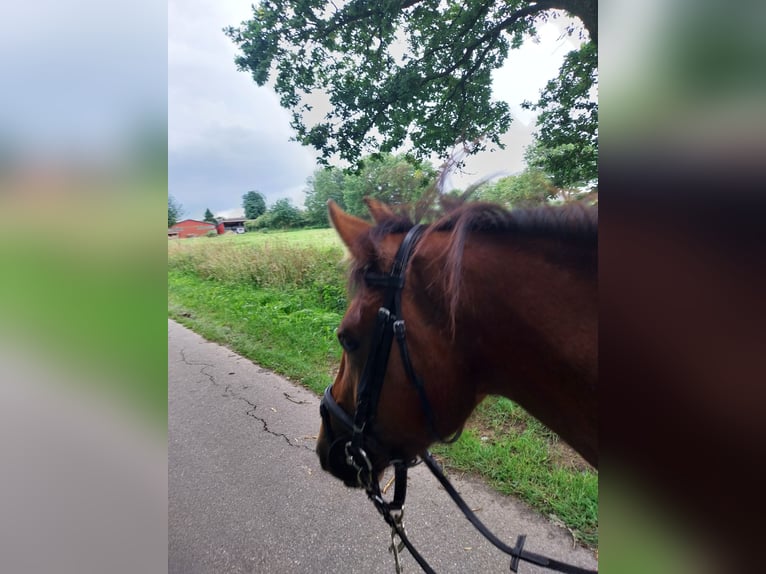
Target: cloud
{"x":77,"y":80}
{"x":228,"y":161}
{"x":530,"y":67}
{"x":227,"y":213}
{"x":226,"y":135}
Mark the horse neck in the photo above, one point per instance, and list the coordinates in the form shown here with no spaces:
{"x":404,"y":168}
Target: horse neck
{"x":526,"y":320}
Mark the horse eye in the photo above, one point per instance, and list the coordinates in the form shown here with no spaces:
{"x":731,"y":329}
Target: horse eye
{"x":349,"y":344}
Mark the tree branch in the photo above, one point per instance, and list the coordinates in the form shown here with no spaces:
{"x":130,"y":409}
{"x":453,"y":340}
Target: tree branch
{"x":350,"y":19}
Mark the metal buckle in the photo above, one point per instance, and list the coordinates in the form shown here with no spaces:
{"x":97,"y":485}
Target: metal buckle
{"x":351,"y":460}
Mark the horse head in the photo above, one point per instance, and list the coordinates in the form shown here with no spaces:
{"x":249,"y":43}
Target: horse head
{"x":400,"y":425}
{"x":484,"y":301}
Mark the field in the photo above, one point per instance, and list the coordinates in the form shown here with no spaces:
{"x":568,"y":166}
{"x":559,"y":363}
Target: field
{"x":277,"y":299}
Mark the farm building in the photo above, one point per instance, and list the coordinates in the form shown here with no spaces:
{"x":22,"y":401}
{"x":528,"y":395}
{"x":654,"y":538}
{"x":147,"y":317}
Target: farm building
{"x":190,"y":228}
{"x":235,"y":224}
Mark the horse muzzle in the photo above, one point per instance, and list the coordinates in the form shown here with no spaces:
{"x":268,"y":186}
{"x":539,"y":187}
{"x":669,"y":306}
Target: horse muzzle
{"x":356,"y":467}
{"x":331,"y":444}
{"x":333,"y":459}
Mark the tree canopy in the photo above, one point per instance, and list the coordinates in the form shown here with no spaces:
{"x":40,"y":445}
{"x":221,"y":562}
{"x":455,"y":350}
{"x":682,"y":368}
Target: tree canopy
{"x":324,"y":184}
{"x":283,"y":214}
{"x":527,"y":189}
{"x":254,"y":204}
{"x":566,"y":146}
{"x":397,"y":73}
{"x":393,"y":179}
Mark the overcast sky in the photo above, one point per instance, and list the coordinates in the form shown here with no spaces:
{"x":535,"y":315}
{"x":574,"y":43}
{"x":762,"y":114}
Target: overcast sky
{"x":227,"y":136}
{"x":77,"y":83}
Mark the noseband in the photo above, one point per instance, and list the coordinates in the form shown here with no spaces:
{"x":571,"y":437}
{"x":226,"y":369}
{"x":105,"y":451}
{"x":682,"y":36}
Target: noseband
{"x":389,"y":324}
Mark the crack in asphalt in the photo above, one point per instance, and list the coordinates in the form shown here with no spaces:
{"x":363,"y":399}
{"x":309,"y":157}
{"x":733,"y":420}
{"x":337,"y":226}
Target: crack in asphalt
{"x":228,"y":393}
{"x":202,"y":370}
{"x":264,"y":422}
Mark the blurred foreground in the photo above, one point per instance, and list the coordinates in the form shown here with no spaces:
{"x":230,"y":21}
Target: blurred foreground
{"x":82,"y":372}
{"x":83,"y":171}
{"x":83,"y":306}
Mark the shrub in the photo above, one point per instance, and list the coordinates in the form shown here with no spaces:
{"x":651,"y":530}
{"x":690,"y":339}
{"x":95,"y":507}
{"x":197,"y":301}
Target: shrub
{"x":264,"y":221}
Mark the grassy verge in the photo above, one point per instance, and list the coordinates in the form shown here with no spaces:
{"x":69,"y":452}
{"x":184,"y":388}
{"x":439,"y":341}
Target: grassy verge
{"x":517,"y":455}
{"x":281,"y":331}
{"x":277,"y":299}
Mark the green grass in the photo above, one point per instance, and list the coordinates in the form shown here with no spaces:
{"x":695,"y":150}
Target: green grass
{"x":277,"y":298}
{"x":282,"y":331}
{"x":302,"y":237}
{"x":519,"y":456}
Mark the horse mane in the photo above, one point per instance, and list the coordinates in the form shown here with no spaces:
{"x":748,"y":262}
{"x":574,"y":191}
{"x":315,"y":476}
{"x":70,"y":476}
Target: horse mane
{"x":573,"y":222}
{"x":569,"y":221}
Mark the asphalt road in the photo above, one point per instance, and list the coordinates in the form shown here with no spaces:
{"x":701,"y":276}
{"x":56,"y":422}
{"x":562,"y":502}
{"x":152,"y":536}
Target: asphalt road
{"x":246,"y":492}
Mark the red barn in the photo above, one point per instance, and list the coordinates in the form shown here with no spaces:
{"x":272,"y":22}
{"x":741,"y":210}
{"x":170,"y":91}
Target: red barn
{"x":190,"y":228}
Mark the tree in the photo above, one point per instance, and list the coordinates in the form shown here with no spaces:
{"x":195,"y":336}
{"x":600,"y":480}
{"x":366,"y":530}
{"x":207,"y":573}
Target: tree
{"x":324,"y":184}
{"x":431,"y":95}
{"x":566,"y":146}
{"x":175,"y":211}
{"x":527,"y":189}
{"x":209,"y":217}
{"x":393,"y":179}
{"x":283,"y":214}
{"x":254,"y":204}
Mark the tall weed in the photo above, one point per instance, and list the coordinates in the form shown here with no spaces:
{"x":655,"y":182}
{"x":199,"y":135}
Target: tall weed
{"x":317,"y":271}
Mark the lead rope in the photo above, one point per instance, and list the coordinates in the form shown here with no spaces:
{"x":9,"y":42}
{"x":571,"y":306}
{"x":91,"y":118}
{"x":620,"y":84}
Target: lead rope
{"x":517,"y":553}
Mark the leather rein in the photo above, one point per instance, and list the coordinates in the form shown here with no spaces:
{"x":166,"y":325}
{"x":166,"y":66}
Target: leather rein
{"x":389,"y":326}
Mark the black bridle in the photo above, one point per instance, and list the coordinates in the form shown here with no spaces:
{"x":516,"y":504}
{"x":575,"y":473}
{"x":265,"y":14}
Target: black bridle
{"x":389,"y":325}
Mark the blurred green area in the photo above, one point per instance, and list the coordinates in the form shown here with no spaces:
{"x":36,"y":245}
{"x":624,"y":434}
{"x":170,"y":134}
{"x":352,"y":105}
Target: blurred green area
{"x":83,"y":286}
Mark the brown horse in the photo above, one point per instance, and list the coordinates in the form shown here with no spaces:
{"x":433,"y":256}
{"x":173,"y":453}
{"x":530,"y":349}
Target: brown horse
{"x":495,"y":302}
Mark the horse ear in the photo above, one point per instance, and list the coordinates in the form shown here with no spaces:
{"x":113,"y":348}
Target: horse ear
{"x":379,"y":210}
{"x":351,"y":229}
